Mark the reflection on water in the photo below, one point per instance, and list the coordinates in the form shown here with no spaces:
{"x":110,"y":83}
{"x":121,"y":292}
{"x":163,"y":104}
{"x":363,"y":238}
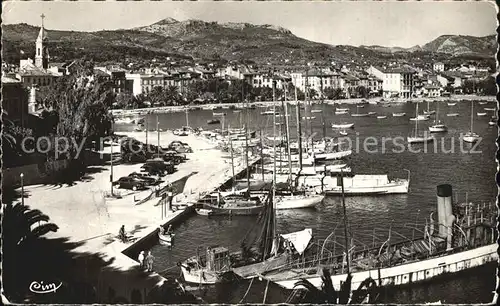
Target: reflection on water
{"x":368,"y":216}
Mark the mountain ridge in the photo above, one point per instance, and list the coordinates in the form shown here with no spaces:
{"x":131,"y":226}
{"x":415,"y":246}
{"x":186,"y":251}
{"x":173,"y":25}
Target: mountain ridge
{"x":194,"y":39}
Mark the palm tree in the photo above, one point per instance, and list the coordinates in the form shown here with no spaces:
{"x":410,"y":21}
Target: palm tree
{"x":328,"y":294}
{"x":22,"y":227}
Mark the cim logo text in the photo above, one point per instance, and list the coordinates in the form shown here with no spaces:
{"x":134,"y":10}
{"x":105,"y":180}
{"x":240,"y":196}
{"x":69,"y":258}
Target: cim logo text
{"x":41,"y":288}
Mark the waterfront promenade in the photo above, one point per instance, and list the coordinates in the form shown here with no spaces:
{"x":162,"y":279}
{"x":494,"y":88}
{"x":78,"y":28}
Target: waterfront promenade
{"x":84,"y":212}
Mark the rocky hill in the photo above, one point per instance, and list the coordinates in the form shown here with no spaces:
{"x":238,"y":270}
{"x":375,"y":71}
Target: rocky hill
{"x":194,"y":40}
{"x":450,"y":44}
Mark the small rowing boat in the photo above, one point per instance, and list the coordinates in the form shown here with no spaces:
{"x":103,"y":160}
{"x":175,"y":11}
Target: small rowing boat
{"x":481,"y":114}
{"x":381,"y":117}
{"x":343,"y":126}
{"x":204,"y":212}
{"x":398,"y":114}
{"x":452,"y":115}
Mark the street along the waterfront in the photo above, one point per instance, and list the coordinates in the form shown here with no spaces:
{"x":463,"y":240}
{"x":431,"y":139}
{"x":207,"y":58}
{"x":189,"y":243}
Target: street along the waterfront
{"x":469,"y":173}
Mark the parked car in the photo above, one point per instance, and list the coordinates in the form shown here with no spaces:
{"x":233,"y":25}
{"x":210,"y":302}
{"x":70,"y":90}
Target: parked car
{"x":143,"y":177}
{"x":130,"y":183}
{"x":180,"y":147}
{"x":160,"y":164}
{"x":151,"y":170}
{"x":174,"y":157}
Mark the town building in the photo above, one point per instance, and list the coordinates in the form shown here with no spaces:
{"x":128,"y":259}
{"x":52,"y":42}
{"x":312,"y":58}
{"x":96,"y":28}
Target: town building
{"x":396,"y":81}
{"x":317,"y":79}
{"x":438,"y":67}
{"x":14,"y":100}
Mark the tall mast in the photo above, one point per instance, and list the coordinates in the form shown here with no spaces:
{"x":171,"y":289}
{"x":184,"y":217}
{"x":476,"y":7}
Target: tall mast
{"x":111,"y":157}
{"x":323,"y":106}
{"x":158,"y":132}
{"x":262,"y":155}
{"x":232,"y":157}
{"x":345,"y":221}
{"x":299,"y":130}
{"x":288,"y":138}
{"x":471,"y":116}
{"x":246,"y":151}
{"x":274,"y":160}
{"x":416,"y":121}
{"x":187,"y":117}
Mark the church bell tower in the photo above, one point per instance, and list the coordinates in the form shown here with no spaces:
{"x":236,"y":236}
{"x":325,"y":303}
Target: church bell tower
{"x":41,"y":48}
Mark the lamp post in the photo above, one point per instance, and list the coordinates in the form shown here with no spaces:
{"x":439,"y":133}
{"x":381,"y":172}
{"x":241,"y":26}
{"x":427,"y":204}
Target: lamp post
{"x":22,"y":188}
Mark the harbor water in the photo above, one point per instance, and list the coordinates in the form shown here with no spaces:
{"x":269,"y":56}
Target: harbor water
{"x":471,"y":173}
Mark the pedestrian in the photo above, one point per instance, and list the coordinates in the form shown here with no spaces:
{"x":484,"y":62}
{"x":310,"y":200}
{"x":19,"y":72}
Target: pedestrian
{"x":121,"y":234}
{"x":149,"y":262}
{"x":141,"y":259}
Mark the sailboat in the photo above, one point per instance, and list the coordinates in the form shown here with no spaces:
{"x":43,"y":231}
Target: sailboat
{"x":438,"y":126}
{"x":357,"y":114}
{"x":470,"y":136}
{"x":493,"y":120}
{"x":479,"y":114}
{"x":417,"y":138}
{"x":428,"y":111}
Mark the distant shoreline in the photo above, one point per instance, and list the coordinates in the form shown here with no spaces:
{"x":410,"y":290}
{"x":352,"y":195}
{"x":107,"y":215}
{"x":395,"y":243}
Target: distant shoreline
{"x":222,"y":106}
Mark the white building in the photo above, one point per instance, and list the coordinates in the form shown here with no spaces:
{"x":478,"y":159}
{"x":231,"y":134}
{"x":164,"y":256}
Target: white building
{"x":438,"y":67}
{"x":396,"y":82}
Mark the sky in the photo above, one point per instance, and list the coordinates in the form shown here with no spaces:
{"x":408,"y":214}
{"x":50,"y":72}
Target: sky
{"x":388,"y":24}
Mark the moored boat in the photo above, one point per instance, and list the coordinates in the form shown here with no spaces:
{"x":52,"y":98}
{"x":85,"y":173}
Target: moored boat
{"x":213,"y":121}
{"x":452,"y":115}
{"x":343,"y":126}
{"x":381,"y":117}
{"x":481,"y":114}
{"x":203,"y":212}
{"x":452,"y":103}
{"x":470,"y":244}
{"x":369,"y":185}
{"x":342,"y":112}
{"x":398,"y":114}
{"x":298,"y":201}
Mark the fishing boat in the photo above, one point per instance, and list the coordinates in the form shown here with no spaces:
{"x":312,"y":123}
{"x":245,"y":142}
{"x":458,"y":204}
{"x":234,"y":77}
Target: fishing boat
{"x":236,"y":205}
{"x":369,"y":185}
{"x":267,"y":113}
{"x":419,"y":138}
{"x":204,"y":212}
{"x":438,"y":126}
{"x":398,"y":114}
{"x":165,"y":238}
{"x":213,"y":121}
{"x":470,"y":136}
{"x":452,"y":115}
{"x":298,"y":201}
{"x":332,"y":155}
{"x":462,"y":241}
{"x":420,"y":118}
{"x":381,"y":117}
{"x":481,"y":114}
{"x":452,"y":103}
{"x":343,"y":133}
{"x":343,"y":126}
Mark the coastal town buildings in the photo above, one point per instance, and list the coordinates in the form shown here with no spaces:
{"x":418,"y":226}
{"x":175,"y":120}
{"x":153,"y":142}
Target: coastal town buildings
{"x":397,"y":81}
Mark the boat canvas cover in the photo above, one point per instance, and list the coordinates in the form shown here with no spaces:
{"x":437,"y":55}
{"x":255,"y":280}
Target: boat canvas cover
{"x":300,"y":240}
{"x":366,"y":181}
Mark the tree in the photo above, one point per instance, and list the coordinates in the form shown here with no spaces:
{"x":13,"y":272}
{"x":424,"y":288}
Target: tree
{"x":21,"y":228}
{"x":361,"y":92}
{"x":328,"y":294}
{"x":488,"y":86}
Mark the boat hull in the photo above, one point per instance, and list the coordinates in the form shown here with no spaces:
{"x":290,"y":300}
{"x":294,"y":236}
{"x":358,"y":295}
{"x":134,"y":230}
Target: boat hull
{"x":420,"y":139}
{"x":343,"y":126}
{"x":166,"y":239}
{"x":298,"y":202}
{"x":392,"y":188}
{"x":197,"y":276}
{"x":438,"y":129}
{"x":234,"y":211}
{"x":332,"y":155}
{"x":406,"y":273}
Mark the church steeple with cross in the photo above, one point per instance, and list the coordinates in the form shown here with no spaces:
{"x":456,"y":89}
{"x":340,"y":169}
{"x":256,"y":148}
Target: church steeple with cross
{"x":41,"y":48}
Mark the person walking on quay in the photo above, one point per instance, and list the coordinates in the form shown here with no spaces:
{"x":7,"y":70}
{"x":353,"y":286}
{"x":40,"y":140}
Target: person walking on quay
{"x":149,"y":262}
{"x":141,"y":259}
{"x":121,"y":234}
